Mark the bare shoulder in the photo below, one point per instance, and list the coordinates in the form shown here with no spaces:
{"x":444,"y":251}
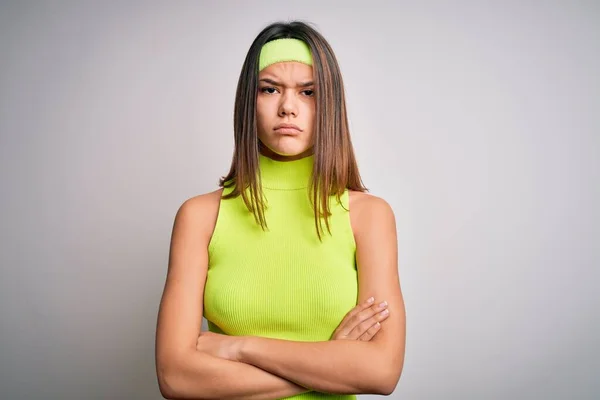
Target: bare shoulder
{"x":367,"y":211}
{"x":203,"y":203}
{"x":201,"y":211}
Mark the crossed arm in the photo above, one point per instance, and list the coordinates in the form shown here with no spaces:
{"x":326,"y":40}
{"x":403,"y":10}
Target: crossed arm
{"x":197,"y":375}
{"x":338,"y":366}
{"x":272,"y":368}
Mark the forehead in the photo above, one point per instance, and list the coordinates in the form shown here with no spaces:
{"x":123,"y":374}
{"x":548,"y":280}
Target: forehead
{"x":288,"y":70}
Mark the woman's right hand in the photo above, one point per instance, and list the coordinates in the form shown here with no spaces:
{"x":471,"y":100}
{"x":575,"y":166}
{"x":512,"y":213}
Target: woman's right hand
{"x":362,"y":322}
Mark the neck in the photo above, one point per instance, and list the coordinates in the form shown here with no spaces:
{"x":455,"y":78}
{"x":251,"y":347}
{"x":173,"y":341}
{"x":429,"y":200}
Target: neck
{"x":267,"y":152}
{"x":287,"y":175}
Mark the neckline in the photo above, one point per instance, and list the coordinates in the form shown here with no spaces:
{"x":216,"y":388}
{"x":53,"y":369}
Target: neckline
{"x":285,"y":175}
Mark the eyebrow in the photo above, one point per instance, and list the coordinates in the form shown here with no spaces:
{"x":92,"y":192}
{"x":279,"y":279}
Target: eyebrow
{"x":272,"y":82}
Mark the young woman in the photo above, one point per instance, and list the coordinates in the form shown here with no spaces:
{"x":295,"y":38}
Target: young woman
{"x":291,"y":262}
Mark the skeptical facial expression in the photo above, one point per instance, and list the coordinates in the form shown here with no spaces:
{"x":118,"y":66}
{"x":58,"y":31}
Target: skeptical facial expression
{"x":285,"y":108}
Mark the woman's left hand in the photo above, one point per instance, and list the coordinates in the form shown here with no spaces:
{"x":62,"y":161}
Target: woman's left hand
{"x":218,"y":345}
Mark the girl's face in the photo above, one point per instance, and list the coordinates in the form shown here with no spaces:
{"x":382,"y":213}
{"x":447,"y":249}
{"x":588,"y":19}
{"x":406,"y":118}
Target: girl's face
{"x":285,"y":96}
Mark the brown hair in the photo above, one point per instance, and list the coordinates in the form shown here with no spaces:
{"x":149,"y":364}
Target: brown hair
{"x":335,"y":168}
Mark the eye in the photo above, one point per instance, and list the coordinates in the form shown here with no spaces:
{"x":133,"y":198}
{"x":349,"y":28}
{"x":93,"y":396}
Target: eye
{"x":266,"y":88}
{"x":309,"y":92}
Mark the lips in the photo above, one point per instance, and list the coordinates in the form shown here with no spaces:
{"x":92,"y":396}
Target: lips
{"x":287,"y":128}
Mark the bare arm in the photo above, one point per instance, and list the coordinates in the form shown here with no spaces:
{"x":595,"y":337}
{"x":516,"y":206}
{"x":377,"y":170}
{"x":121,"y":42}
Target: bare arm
{"x":350,"y":366}
{"x":182,"y":371}
{"x":202,"y":376}
{"x":340,"y":367}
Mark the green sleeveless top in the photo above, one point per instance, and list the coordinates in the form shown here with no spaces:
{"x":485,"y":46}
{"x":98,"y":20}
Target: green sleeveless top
{"x":283,"y":282}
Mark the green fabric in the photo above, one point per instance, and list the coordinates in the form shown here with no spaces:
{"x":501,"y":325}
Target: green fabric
{"x":280,"y":50}
{"x":281,"y":283}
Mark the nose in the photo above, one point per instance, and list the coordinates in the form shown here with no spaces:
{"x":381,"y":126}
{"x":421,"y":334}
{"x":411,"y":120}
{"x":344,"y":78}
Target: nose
{"x":288,"y":106}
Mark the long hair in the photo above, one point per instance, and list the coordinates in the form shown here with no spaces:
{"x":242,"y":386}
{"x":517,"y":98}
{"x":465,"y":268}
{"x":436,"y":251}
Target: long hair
{"x":335,"y":168}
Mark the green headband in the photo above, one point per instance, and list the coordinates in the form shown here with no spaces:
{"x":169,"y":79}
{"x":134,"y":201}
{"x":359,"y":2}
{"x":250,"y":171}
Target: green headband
{"x":280,"y":50}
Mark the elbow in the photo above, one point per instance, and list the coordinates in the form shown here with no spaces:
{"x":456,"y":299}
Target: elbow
{"x":390,"y":370}
{"x":174,"y":383}
{"x":388,"y":383}
{"x":384,"y":376}
{"x":170,"y":387}
{"x":381,"y":382}
{"x":382,"y":387}
{"x":379,"y":377}
{"x":386,"y":388}
{"x":166,"y":382}
{"x":170,"y":380}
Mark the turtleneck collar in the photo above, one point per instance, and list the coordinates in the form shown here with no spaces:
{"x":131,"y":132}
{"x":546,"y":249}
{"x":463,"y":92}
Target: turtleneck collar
{"x":285,"y":174}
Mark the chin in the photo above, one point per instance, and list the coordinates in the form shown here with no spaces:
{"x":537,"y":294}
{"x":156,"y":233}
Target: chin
{"x":288,"y":151}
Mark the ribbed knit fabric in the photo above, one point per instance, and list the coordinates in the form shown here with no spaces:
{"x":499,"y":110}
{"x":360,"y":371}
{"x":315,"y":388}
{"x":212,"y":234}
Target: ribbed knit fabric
{"x":282,"y":283}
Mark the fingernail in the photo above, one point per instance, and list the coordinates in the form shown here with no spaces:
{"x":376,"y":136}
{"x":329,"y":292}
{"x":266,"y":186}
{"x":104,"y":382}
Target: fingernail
{"x":370,"y":299}
{"x":383,"y":304}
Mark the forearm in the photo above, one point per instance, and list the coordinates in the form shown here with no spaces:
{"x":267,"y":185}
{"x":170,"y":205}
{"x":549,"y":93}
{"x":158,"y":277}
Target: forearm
{"x":201,"y":376}
{"x":335,"y":366}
